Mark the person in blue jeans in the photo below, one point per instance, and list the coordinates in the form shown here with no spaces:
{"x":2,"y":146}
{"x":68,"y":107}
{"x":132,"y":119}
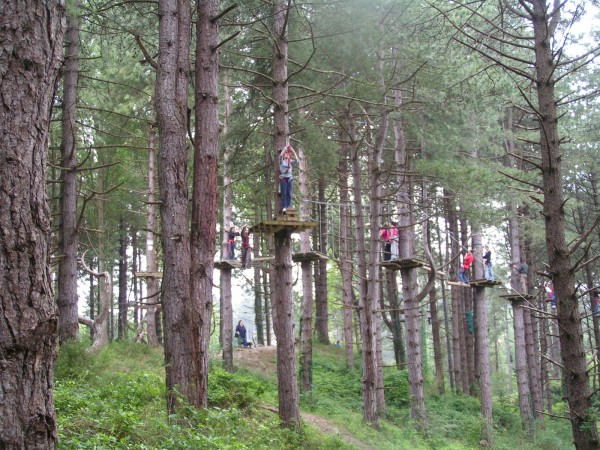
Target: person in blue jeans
{"x":287,"y":159}
{"x":487,"y":264}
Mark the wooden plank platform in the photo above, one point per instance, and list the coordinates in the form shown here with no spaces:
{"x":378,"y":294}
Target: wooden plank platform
{"x":262,"y":261}
{"x":148,"y":274}
{"x":228,"y":264}
{"x":457,"y":283}
{"x":397,"y":264}
{"x":484,"y":283}
{"x":290,"y":219}
{"x":308,"y":256}
{"x":517,"y":297}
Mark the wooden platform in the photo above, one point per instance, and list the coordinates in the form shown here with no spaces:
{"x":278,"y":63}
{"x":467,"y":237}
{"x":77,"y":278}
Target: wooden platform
{"x":397,"y":264}
{"x":457,"y":283}
{"x":517,"y":297}
{"x":308,"y":256}
{"x":228,"y":264}
{"x":262,"y":261}
{"x":484,"y":283}
{"x":148,"y":274}
{"x":290,"y":219}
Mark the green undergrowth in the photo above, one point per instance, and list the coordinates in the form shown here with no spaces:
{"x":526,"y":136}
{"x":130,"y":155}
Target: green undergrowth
{"x":116,"y":400}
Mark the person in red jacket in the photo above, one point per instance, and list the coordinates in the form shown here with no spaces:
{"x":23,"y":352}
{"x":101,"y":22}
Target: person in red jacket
{"x":463,"y":273}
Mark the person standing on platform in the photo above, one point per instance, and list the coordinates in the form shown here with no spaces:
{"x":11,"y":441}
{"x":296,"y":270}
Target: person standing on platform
{"x":487,"y":264}
{"x":385,"y":236}
{"x":463,"y":273}
{"x":246,"y":249}
{"x":394,"y":240}
{"x":522,"y":269}
{"x":287,"y":159}
{"x":231,"y":235}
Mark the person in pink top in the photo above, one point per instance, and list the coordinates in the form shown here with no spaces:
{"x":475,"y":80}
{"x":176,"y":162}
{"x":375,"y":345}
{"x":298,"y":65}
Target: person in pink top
{"x":463,"y":273}
{"x":385,"y":236}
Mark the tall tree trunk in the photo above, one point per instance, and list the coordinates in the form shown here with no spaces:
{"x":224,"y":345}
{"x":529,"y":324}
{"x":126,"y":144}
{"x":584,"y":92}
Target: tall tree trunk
{"x":122,"y":328}
{"x":544,"y":348}
{"x":205,"y":187}
{"x":68,"y":242}
{"x":345,"y":254}
{"x":483,"y":358}
{"x":306,"y":349}
{"x":31,"y":49}
{"x":152,"y":286}
{"x":258,"y":297}
{"x":369,"y":378}
{"x":283,"y":318}
{"x":322,"y":309}
{"x":180,"y":309}
{"x":521,"y":366}
{"x":226,"y":307}
{"x":446,"y":314}
{"x":533,"y":365}
{"x":544,"y":23}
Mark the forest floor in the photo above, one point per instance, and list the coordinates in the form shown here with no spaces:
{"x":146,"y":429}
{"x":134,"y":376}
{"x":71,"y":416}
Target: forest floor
{"x":263,"y":361}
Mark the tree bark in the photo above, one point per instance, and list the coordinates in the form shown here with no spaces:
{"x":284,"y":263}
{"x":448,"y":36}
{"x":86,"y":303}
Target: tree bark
{"x":345,"y":255}
{"x":152,"y":285}
{"x":68,"y":242}
{"x":226,"y":307}
{"x":31,"y":53}
{"x":306,"y":350}
{"x":205,"y":186}
{"x":521,"y":366}
{"x":585,"y":433}
{"x":123,"y":326}
{"x":483,"y":357}
{"x":183,"y":376}
{"x":322,"y":309}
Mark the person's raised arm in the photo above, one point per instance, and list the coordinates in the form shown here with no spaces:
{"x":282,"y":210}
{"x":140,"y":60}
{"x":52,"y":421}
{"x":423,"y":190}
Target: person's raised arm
{"x":293,"y":151}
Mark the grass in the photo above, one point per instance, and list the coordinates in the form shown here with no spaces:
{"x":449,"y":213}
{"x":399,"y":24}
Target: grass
{"x":115,"y":400}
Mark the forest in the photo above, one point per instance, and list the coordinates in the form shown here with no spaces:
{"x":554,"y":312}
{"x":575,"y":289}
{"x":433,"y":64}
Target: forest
{"x":287,"y":224}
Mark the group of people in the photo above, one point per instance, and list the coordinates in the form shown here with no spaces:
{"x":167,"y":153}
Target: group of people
{"x":469,"y":258}
{"x":246,"y":249}
{"x":389,"y":236}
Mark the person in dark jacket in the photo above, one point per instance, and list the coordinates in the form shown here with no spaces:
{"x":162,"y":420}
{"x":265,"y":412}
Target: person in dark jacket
{"x":231,"y":235}
{"x":240,"y":333}
{"x":487,"y":264}
{"x":522,"y":269}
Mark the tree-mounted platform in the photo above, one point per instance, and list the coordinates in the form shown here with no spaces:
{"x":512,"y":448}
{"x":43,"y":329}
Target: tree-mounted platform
{"x":457,"y":283}
{"x":308,"y":256}
{"x":261,"y":261}
{"x":148,"y":274}
{"x":289,"y":220}
{"x":517,"y":297}
{"x":406,"y":263}
{"x":484,"y":283}
{"x":228,"y":264}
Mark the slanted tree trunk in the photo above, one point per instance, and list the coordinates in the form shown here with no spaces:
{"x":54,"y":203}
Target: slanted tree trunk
{"x":98,"y":327}
{"x":205,"y":185}
{"x":68,"y":241}
{"x":31,"y":49}
{"x":180,"y":309}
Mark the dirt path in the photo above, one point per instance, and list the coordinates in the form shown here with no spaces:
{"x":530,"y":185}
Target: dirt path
{"x":263,"y":360}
